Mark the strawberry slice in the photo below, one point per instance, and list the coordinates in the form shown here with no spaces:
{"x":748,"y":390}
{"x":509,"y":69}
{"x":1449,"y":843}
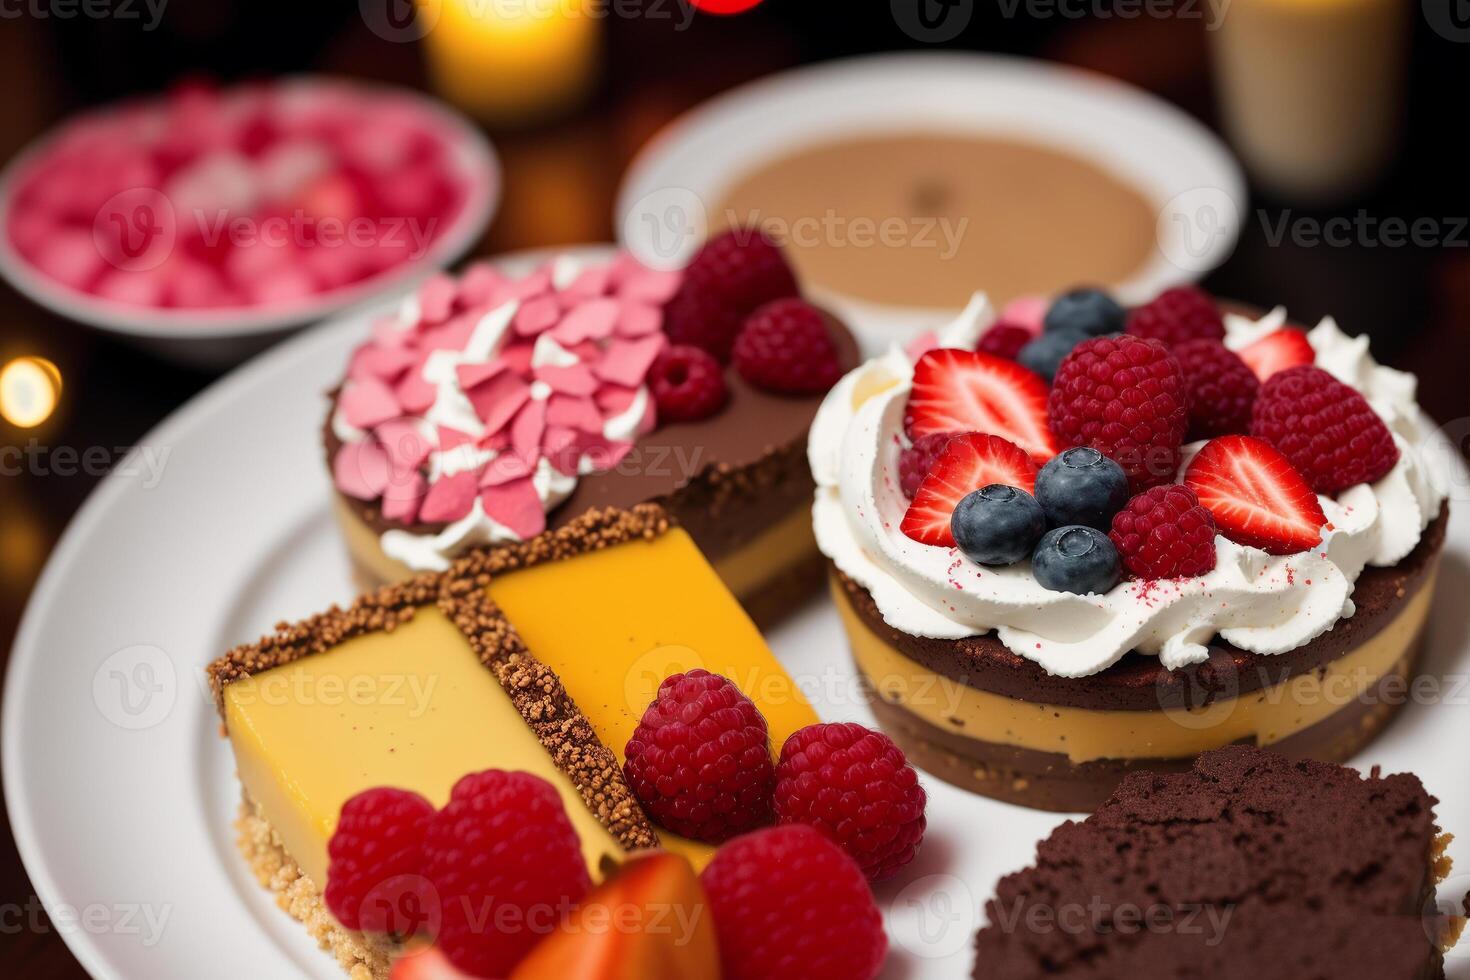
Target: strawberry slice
{"x":969,"y":462}
{"x":1277,"y":351}
{"x":1255,"y":495}
{"x":967,"y":391}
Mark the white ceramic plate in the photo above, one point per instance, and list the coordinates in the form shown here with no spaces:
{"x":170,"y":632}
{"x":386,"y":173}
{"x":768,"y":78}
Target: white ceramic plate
{"x":1176,"y":162}
{"x":122,"y":793}
{"x":224,"y":337}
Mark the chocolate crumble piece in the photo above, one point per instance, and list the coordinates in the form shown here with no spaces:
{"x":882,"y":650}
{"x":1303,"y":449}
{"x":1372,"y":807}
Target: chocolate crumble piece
{"x":1249,"y":866}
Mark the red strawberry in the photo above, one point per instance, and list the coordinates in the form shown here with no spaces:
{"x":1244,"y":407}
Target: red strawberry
{"x":967,"y":391}
{"x":1277,"y":351}
{"x":1256,"y":496}
{"x":970,"y":461}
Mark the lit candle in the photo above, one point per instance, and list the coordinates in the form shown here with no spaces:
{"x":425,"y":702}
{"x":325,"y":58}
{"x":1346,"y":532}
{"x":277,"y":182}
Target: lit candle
{"x":511,"y":61}
{"x":30,"y":387}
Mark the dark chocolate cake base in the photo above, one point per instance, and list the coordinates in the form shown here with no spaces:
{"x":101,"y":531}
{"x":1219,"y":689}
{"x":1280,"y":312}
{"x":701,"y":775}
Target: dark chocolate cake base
{"x":1249,"y":866}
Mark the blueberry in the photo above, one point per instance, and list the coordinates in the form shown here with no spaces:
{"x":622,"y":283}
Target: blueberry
{"x":997,"y":524}
{"x":1045,"y":353}
{"x":1090,"y":311}
{"x":1076,"y":559}
{"x":1081,"y":486}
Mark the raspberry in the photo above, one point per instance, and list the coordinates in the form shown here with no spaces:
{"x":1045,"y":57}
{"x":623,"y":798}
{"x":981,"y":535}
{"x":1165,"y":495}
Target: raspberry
{"x":1221,"y":388}
{"x":855,"y":786}
{"x":788,"y":904}
{"x":698,"y":760}
{"x":784,"y":346}
{"x":1125,"y":397}
{"x":507,"y":865}
{"x":1327,"y":430}
{"x":915,"y":462}
{"x":732,"y":274}
{"x":688,"y":384}
{"x":1005,"y":340}
{"x":1176,"y":315}
{"x":1165,"y":533}
{"x":375,"y":865}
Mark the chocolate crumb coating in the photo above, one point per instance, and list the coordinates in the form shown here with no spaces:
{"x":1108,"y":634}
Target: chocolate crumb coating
{"x":1249,"y":866}
{"x":533,"y":687}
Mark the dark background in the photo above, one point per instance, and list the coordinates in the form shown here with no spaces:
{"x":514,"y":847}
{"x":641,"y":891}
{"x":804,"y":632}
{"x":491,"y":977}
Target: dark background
{"x":561,"y":178}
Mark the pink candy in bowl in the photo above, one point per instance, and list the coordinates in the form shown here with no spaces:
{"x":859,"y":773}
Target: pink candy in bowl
{"x":209,"y":221}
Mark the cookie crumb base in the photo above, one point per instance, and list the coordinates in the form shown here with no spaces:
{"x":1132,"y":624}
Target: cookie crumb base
{"x":363,"y":957}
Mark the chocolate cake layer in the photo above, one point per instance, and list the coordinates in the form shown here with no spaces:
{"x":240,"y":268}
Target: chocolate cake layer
{"x":1141,"y":683}
{"x":723,"y":478}
{"x":1249,"y":866}
{"x":1051,"y":781}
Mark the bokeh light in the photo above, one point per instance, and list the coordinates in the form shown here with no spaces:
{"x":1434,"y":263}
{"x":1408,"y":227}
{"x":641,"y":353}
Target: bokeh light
{"x":30,"y":388}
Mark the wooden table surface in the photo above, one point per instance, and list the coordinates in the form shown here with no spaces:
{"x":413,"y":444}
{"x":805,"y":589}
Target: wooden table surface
{"x":562,"y":177}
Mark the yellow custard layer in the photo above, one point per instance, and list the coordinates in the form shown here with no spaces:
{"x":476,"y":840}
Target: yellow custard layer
{"x":614,"y":623}
{"x":413,"y":709}
{"x":1266,"y":715}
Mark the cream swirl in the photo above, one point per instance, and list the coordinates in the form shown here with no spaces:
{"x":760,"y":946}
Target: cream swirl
{"x":1258,"y":602}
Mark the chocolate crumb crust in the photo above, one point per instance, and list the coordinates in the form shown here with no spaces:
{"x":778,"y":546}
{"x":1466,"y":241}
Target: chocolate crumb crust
{"x":1140,"y":683}
{"x":462,"y":594}
{"x":1248,"y":866}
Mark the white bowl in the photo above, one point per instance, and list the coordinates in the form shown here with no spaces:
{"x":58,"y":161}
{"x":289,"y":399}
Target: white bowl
{"x":1171,"y":158}
{"x":218,"y":338}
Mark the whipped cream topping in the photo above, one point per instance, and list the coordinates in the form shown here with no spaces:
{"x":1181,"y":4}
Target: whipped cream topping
{"x":482,"y":401}
{"x":1259,"y":602}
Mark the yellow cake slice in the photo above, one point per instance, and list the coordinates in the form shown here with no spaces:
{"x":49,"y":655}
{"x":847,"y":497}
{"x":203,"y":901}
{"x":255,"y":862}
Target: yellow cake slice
{"x":539,"y":658}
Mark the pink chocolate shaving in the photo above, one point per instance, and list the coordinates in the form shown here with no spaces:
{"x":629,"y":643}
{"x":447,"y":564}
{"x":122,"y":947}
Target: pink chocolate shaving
{"x":361,"y":470}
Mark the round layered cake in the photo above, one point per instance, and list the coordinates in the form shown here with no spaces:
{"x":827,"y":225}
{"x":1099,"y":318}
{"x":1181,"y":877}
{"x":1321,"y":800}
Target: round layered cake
{"x":491,"y":408}
{"x":1267,"y":580}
